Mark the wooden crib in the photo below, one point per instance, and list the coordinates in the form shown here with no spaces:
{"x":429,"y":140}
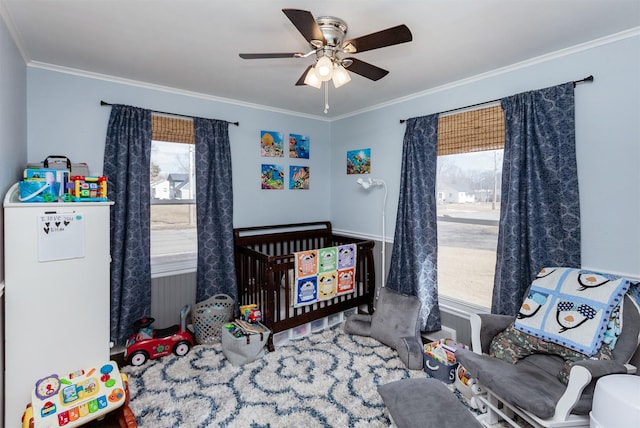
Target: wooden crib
{"x":264,"y":266}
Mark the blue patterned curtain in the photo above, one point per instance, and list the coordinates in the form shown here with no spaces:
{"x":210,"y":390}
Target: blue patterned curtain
{"x":540,"y":207}
{"x":214,"y":202}
{"x":126,"y":164}
{"x":413,"y":268}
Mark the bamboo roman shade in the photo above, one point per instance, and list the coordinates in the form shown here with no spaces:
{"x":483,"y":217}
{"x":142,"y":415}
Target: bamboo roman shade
{"x":471,"y":131}
{"x":172,"y":129}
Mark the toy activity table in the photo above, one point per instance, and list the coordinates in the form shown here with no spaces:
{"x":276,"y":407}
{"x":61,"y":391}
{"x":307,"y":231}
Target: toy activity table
{"x":77,"y":398}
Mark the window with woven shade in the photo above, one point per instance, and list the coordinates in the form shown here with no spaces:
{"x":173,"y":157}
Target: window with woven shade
{"x":173,"y":209}
{"x":172,"y":129}
{"x":470,"y":151}
{"x":471,"y":131}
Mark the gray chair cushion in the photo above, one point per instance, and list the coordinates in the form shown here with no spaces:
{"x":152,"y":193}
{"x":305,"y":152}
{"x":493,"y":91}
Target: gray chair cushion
{"x":396,"y":316}
{"x":394,"y":323}
{"x":628,"y":340}
{"x":359,"y":324}
{"x":425,"y":403}
{"x":523,"y":384}
{"x":533,"y":382}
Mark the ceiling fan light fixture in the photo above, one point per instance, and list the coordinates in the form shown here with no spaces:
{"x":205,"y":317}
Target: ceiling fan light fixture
{"x":312,"y":78}
{"x":324,"y":68}
{"x":340,"y":76}
{"x":326,"y":37}
{"x":349,"y":48}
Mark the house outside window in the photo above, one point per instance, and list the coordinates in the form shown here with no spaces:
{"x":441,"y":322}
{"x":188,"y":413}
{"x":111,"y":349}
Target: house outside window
{"x":470,"y":153}
{"x":173,"y":199}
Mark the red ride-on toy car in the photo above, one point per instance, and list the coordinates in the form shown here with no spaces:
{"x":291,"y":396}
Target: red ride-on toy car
{"x":149,"y":343}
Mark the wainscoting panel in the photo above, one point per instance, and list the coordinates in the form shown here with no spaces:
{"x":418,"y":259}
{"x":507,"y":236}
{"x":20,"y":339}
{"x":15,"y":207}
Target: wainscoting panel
{"x":460,"y":324}
{"x":169,"y":294}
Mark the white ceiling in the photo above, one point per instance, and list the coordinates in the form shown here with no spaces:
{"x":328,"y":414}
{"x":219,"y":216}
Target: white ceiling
{"x":193,"y":45}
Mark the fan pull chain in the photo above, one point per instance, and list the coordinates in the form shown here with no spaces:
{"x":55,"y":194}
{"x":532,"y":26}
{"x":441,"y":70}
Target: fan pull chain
{"x":326,"y":97}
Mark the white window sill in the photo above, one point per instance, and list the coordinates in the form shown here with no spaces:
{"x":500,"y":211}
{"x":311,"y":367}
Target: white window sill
{"x":460,"y":308}
{"x":173,"y":264}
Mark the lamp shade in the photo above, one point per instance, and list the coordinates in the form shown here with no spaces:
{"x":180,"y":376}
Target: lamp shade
{"x":365,"y":184}
{"x":340,"y":76}
{"x":312,"y":78}
{"x":324,"y":68}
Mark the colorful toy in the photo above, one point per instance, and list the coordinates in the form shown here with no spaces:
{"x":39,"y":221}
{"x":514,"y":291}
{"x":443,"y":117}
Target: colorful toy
{"x":149,"y":343}
{"x":27,"y":417}
{"x":255,"y":316}
{"x":469,"y":388}
{"x":77,"y":398}
{"x":126,"y":418}
{"x":251,"y":313}
{"x":39,"y":185}
{"x":87,"y":188}
{"x":234,"y":330}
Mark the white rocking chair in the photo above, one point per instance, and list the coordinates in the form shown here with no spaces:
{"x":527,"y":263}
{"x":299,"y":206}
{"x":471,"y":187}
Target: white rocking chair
{"x":530,"y":389}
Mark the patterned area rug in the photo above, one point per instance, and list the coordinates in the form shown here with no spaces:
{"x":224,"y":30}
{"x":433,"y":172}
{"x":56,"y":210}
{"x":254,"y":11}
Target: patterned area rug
{"x":327,"y":379}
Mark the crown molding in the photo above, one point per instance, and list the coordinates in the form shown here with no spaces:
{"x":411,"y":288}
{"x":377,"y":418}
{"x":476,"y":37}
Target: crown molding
{"x":479,"y":77}
{"x":167,"y":89}
{"x":507,"y":69}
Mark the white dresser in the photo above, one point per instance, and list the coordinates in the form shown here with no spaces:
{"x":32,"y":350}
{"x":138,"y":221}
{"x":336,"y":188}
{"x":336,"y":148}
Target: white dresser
{"x":56,"y":293}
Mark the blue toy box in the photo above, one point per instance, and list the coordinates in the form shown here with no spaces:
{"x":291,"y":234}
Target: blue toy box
{"x":440,"y":361}
{"x":444,"y":372}
{"x":40,"y":185}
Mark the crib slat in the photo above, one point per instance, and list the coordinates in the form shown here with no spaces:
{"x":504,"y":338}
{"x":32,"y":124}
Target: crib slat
{"x":264,"y":269}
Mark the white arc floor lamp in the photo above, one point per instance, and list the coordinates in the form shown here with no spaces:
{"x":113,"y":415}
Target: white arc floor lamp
{"x":366,"y":185}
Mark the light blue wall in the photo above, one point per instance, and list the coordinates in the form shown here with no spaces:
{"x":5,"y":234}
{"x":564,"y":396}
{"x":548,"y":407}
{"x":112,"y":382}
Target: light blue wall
{"x":13,"y":119}
{"x":13,"y":144}
{"x":65,"y":118}
{"x":608,"y":146}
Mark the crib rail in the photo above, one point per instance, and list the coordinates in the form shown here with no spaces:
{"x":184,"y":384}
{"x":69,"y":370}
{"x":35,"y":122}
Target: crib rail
{"x":264,"y":267}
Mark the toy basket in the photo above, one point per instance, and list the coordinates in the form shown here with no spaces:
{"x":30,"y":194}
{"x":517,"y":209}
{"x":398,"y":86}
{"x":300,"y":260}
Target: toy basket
{"x":440,"y":361}
{"x":244,"y":349}
{"x":210,"y":315}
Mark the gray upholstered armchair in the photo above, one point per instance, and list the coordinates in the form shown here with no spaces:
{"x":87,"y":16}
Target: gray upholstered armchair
{"x":395,"y":323}
{"x":531,"y":388}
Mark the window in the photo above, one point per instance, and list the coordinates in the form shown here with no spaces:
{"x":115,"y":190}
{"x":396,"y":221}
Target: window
{"x":470,"y":151}
{"x":173,"y":209}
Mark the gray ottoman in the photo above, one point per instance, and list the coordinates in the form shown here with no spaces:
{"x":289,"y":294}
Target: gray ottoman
{"x":425,"y":403}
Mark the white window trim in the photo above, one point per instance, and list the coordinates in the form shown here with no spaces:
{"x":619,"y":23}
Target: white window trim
{"x":460,"y":308}
{"x":162,"y":266}
{"x":173,"y":264}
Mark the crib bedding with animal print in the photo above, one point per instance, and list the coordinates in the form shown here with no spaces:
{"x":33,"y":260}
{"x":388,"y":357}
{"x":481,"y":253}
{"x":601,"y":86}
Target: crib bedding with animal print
{"x":323,"y":274}
{"x":575,"y":308}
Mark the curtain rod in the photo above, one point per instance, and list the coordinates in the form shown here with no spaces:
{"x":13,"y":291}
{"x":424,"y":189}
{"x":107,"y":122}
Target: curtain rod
{"x":104,"y":103}
{"x":575,"y":82}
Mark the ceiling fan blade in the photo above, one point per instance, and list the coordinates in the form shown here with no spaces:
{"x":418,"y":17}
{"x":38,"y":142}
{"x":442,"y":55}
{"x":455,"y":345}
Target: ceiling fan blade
{"x":270,"y":55}
{"x":367,"y":70}
{"x":389,"y":37}
{"x":300,"y":81}
{"x":306,"y":24}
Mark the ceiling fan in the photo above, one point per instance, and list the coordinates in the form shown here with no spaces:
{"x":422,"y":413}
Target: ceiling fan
{"x":326,"y":35}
